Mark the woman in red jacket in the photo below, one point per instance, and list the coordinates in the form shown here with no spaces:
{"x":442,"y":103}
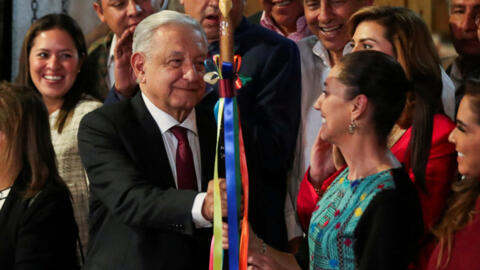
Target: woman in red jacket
{"x":459,"y":231}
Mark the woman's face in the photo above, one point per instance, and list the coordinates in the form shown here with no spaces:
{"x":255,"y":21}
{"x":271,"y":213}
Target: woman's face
{"x":370,"y":35}
{"x":54,"y":63}
{"x":335,"y":108}
{"x":466,"y":137}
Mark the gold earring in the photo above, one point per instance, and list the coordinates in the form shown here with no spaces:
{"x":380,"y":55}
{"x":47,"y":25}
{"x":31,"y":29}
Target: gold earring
{"x":352,"y":127}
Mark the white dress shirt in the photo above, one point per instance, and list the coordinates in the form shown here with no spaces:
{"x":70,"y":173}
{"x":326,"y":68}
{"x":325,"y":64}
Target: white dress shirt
{"x":110,"y":79}
{"x":3,"y":196}
{"x":165,"y":122}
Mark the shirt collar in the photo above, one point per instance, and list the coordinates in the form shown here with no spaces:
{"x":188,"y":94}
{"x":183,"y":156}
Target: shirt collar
{"x":165,"y":121}
{"x":320,"y":51}
{"x":111,"y":53}
{"x":301,"y":24}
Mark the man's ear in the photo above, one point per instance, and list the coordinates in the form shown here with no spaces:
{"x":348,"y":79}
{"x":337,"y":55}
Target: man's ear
{"x":359,"y":106}
{"x":98,"y":9}
{"x":138,"y":61}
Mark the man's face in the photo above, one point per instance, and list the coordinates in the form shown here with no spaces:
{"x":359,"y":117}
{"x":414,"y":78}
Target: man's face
{"x":462,"y":26}
{"x":122,"y":14}
{"x":327,"y":19}
{"x":171,"y":74}
{"x":207,"y":13}
{"x":284,"y":12}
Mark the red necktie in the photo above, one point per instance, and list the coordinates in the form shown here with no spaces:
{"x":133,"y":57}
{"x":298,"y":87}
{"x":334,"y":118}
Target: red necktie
{"x":186,"y":178}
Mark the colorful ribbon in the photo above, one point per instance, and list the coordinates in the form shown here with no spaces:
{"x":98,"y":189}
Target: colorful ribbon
{"x":236,"y":174}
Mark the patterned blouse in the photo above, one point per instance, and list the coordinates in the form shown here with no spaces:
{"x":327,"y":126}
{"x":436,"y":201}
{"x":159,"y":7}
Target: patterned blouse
{"x":356,"y":221}
{"x":69,"y":164}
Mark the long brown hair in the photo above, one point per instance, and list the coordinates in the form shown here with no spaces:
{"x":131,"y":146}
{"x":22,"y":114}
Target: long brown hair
{"x":24,"y":122}
{"x":461,"y":205}
{"x":415,"y":51}
{"x":83,"y":83}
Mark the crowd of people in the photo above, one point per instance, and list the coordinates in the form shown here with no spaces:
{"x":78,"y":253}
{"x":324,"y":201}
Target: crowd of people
{"x":362,"y":149}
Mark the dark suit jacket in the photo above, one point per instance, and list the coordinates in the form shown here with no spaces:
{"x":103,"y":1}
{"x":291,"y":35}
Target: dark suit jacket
{"x":38,"y":233}
{"x":138,"y":219}
{"x":269,"y":104}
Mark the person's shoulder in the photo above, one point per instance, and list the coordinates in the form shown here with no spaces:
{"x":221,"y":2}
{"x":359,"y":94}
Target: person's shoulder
{"x":442,"y":121}
{"x":442,"y":126}
{"x":260,"y":35}
{"x":53,"y":195}
{"x":115,"y":112}
{"x":88,"y":103}
{"x":308,"y":42}
{"x":404,"y":187}
{"x":101,"y":44}
{"x":255,"y":18}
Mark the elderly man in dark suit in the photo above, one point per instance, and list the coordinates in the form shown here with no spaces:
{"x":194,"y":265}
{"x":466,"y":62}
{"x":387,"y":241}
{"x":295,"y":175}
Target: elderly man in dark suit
{"x":149,"y":158}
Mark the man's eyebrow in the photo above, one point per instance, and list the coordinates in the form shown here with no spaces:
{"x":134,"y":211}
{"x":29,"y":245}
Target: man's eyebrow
{"x":175,"y":54}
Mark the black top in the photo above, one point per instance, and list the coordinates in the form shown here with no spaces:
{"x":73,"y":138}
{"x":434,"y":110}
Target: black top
{"x":38,"y":233}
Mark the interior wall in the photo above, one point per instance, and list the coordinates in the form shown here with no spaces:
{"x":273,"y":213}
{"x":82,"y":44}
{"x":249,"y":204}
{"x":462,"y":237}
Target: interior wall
{"x":81,"y":10}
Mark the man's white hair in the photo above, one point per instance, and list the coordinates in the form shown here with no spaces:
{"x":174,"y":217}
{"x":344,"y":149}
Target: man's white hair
{"x":142,"y":38}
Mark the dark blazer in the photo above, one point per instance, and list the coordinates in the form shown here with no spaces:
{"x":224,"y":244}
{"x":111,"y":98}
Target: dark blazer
{"x":38,"y":233}
{"x":138,"y":219}
{"x":269,"y":105}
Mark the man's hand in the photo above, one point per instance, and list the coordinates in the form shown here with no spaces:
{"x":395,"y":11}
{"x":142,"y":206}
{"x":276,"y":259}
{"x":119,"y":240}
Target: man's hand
{"x":125,"y":79}
{"x":207,"y":208}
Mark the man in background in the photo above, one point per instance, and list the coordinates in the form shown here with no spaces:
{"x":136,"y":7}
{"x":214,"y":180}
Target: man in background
{"x":109,"y":54}
{"x":463,"y":31}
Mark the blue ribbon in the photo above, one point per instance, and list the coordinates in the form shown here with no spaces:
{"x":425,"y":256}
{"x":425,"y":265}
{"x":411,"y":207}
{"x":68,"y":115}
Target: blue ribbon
{"x":229,"y":135}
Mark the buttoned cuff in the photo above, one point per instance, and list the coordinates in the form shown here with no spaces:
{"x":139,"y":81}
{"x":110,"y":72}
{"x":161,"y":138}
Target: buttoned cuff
{"x":198,"y":219}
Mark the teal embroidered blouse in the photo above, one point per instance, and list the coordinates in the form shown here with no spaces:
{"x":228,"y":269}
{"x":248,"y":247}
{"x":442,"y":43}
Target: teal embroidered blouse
{"x":337,"y":241}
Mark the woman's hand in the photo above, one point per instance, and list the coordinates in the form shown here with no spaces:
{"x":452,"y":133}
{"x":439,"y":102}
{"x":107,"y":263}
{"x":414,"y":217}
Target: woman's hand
{"x":258,"y":261}
{"x":321,"y":161}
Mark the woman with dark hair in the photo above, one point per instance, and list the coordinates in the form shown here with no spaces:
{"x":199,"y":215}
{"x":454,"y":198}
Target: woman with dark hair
{"x":420,"y":138}
{"x":37,"y":227}
{"x":459,"y":230}
{"x":369,"y":217}
{"x":51,"y":63}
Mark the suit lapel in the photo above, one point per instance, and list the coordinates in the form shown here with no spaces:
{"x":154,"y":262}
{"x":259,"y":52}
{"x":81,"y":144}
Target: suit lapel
{"x":207,"y":135}
{"x":149,"y":141}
